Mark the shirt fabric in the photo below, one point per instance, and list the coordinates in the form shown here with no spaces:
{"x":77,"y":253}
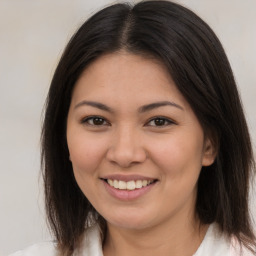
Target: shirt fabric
{"x":214,"y":244}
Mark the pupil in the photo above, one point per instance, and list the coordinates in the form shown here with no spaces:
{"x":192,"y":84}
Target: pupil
{"x":98,"y":121}
{"x":159,"y":122}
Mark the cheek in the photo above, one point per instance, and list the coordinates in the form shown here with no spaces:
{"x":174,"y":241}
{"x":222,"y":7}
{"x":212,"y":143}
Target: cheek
{"x":179,"y":155}
{"x":85,"y":153}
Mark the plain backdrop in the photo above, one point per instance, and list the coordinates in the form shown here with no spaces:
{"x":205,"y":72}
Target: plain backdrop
{"x":33,"y":34}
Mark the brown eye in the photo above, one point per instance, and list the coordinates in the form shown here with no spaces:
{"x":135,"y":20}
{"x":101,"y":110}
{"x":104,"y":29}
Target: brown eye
{"x":160,"y":121}
{"x":95,"y":121}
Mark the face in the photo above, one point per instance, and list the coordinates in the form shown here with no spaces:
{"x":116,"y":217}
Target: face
{"x":135,"y":144}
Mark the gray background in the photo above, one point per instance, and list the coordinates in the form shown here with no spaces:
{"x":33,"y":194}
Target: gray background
{"x":33,"y":34}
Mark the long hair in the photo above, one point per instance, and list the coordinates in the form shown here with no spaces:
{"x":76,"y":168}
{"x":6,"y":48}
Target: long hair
{"x":196,"y":61}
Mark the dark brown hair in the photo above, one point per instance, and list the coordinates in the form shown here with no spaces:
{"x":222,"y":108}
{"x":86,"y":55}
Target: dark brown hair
{"x":198,"y":65}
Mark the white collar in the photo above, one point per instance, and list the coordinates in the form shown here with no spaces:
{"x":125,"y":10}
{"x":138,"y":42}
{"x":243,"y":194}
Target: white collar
{"x":215,"y":243}
{"x":92,"y":244}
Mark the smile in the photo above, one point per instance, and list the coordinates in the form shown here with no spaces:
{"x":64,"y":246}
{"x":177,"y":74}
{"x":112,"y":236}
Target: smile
{"x":129,"y":185}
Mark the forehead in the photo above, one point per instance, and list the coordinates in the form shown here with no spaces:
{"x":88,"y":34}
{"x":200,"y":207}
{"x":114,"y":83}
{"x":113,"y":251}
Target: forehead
{"x":120,"y":77}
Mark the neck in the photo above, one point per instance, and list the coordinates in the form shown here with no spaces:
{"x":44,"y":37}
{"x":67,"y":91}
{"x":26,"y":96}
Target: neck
{"x":174,"y":238}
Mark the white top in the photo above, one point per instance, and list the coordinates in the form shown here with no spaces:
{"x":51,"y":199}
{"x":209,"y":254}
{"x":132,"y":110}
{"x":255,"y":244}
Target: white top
{"x":214,"y":244}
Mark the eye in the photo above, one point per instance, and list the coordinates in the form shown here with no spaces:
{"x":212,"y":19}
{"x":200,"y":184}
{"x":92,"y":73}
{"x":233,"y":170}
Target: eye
{"x":160,"y":121}
{"x":94,"y":121}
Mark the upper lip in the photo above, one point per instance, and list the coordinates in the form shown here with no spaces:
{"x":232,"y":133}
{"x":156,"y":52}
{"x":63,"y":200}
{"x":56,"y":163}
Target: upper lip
{"x":127,"y":177}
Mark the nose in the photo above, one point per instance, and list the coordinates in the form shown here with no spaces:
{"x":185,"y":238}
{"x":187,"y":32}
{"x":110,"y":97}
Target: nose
{"x":126,"y":148}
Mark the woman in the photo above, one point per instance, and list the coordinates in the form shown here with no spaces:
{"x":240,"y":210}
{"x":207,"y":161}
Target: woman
{"x":145,"y":147}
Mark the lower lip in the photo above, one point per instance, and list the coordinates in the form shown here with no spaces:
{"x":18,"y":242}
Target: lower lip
{"x":128,"y":194}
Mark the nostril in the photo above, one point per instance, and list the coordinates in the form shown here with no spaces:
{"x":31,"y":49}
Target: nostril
{"x":125,"y":157}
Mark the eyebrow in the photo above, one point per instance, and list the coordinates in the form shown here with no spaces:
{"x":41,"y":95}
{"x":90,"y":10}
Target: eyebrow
{"x":142,"y":109}
{"x":94,"y":104}
{"x":154,"y":105}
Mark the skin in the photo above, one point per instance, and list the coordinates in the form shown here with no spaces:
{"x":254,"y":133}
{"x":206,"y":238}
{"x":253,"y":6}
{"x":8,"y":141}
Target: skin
{"x":128,"y":141}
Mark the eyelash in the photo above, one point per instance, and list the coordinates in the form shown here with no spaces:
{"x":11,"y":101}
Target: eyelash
{"x":166,"y":121}
{"x":94,"y":118}
{"x":103,"y":122}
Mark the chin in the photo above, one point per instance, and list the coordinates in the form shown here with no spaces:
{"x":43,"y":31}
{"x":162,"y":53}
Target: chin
{"x":130,"y":220}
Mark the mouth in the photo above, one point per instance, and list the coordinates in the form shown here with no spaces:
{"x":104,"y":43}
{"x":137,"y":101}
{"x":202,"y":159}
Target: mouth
{"x":129,"y":185}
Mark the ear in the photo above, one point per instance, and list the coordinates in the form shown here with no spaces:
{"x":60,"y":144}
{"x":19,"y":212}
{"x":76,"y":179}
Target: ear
{"x":209,"y":152}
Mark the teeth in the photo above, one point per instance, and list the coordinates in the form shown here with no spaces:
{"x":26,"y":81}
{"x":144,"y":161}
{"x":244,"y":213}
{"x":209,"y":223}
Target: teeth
{"x":144,"y":183}
{"x":116,"y":184}
{"x":111,"y":183}
{"x":122,"y":184}
{"x":130,"y":185}
{"x":138,"y":184}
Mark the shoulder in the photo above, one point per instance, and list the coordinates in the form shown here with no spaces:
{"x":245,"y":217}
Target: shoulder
{"x":236,"y":249}
{"x":216,"y":243}
{"x":40,"y":249}
{"x":91,"y":245}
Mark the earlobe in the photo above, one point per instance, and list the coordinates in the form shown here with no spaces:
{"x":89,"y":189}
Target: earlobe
{"x":209,"y":153}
